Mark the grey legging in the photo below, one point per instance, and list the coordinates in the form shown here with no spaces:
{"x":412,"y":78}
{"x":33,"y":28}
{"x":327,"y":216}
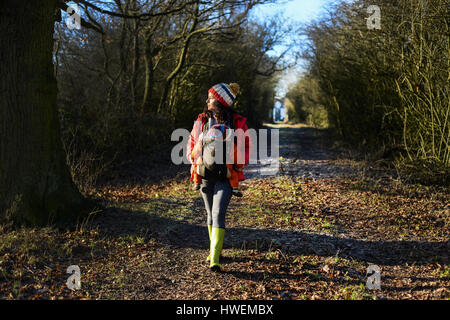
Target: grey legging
{"x":216,"y":196}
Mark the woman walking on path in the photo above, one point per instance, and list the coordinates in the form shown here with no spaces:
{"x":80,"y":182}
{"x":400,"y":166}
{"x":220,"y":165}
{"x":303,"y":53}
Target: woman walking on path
{"x":215,"y":186}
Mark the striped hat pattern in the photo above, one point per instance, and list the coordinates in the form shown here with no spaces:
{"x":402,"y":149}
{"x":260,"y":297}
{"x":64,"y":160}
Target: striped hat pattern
{"x":226,"y":94}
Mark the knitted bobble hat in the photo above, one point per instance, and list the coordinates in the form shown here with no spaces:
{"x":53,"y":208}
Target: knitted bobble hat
{"x":225,"y":93}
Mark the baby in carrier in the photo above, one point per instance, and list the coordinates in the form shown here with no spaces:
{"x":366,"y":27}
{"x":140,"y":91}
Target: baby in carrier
{"x":218,"y":133}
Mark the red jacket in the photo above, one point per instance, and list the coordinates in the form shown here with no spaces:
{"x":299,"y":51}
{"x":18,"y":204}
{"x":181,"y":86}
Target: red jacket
{"x":239,"y":122}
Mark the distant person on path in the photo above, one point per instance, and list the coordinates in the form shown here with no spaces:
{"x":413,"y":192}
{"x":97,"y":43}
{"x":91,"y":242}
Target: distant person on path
{"x":217,"y":180}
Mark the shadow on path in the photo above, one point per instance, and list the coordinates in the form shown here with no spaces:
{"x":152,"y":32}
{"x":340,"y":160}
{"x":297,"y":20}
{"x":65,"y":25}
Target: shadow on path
{"x":182,"y":234}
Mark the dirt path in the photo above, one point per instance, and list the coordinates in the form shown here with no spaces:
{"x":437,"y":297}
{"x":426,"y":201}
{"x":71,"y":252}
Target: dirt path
{"x":308,"y":232}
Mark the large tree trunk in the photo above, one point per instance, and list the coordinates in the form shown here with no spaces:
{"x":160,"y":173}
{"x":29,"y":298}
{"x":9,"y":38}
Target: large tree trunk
{"x":35,"y":184}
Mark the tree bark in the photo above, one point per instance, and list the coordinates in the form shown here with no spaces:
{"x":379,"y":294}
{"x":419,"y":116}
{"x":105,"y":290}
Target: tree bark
{"x":35,"y":183}
{"x":136,"y":56}
{"x":148,"y":84}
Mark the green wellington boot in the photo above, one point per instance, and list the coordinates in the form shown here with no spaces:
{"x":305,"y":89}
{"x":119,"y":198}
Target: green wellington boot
{"x":208,"y":258}
{"x":217,"y":235}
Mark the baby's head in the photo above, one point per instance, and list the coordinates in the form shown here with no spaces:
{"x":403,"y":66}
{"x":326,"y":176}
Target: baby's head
{"x":219,"y":132}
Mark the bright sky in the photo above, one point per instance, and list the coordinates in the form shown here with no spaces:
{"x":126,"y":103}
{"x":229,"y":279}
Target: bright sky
{"x":298,"y":11}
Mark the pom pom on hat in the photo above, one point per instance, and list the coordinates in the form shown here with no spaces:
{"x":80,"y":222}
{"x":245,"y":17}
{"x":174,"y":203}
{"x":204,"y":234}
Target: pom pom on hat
{"x":225,"y":93}
{"x":234,"y":88}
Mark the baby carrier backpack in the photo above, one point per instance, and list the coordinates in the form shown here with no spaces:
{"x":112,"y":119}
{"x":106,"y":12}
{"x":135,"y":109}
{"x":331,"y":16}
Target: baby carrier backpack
{"x":215,"y":150}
